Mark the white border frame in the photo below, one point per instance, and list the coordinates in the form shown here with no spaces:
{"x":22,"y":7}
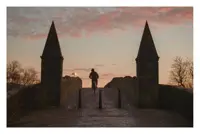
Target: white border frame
{"x":100,"y":3}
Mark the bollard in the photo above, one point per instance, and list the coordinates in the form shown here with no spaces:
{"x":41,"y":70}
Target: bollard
{"x":79,"y":99}
{"x":100,"y":99}
{"x":119,"y":98}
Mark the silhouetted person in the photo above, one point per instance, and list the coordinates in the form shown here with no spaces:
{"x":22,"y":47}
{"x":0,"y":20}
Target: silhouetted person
{"x":94,"y":77}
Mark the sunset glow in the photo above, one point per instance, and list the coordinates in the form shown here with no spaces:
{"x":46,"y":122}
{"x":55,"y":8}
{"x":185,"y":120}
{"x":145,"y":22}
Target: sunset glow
{"x":106,"y":39}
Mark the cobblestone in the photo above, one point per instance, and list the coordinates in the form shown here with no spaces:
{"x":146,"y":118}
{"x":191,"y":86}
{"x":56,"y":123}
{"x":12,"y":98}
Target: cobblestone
{"x":109,"y":116}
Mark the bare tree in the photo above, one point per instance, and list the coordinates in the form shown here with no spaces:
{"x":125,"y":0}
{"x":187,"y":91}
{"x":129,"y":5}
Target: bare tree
{"x":181,"y":73}
{"x":189,"y":73}
{"x":17,"y":75}
{"x":29,"y":76}
{"x":13,"y":72}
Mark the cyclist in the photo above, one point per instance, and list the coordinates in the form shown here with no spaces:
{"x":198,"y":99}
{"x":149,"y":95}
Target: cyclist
{"x":94,"y":77}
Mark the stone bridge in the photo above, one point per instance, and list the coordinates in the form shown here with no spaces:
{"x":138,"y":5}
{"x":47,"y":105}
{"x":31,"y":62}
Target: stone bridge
{"x":89,"y":115}
{"x":54,"y":102}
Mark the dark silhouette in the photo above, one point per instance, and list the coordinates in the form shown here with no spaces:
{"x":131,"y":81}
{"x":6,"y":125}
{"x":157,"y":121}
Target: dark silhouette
{"x":119,"y":98}
{"x":181,"y":73}
{"x":17,"y":75}
{"x":51,"y":68}
{"x":94,"y":77}
{"x":79,"y":99}
{"x":100,"y":99}
{"x":147,"y":71}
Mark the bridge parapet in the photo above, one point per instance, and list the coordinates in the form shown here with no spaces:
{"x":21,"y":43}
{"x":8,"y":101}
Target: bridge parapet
{"x":69,"y":91}
{"x":128,"y":88}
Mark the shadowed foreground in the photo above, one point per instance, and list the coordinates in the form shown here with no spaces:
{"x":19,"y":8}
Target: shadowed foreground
{"x":109,"y":116}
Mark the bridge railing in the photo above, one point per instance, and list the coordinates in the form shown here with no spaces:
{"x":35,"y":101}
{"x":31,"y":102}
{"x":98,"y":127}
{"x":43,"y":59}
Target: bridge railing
{"x":114,"y":95}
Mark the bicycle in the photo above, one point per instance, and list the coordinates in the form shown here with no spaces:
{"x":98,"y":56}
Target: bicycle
{"x":94,"y":86}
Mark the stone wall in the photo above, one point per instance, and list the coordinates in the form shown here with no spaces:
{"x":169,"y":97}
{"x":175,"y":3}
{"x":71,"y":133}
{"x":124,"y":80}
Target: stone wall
{"x":177,"y":99}
{"x":27,"y":99}
{"x":23,"y":100}
{"x":128,"y":87}
{"x":69,"y":91}
{"x":173,"y":98}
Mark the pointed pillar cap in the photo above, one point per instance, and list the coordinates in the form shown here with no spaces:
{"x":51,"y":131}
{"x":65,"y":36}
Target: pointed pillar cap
{"x":147,"y":49}
{"x":52,"y":46}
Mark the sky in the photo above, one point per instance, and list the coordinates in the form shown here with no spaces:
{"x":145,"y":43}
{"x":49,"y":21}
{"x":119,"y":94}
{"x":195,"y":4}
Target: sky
{"x":106,"y":39}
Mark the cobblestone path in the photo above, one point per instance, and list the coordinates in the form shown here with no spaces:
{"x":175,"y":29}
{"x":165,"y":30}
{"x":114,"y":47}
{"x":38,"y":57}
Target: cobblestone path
{"x":109,"y":116}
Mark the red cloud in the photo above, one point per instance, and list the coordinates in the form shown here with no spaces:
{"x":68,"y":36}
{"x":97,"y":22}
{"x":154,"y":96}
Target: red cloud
{"x":165,"y":9}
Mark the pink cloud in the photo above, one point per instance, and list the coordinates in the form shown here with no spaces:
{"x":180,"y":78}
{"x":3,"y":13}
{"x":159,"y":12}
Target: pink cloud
{"x":138,"y":16}
{"x":165,"y":9}
{"x":72,"y":21}
{"x":188,"y":14}
{"x":40,"y":36}
{"x":76,"y":34}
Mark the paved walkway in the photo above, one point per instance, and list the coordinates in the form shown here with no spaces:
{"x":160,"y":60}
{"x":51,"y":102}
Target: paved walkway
{"x":109,"y":116}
